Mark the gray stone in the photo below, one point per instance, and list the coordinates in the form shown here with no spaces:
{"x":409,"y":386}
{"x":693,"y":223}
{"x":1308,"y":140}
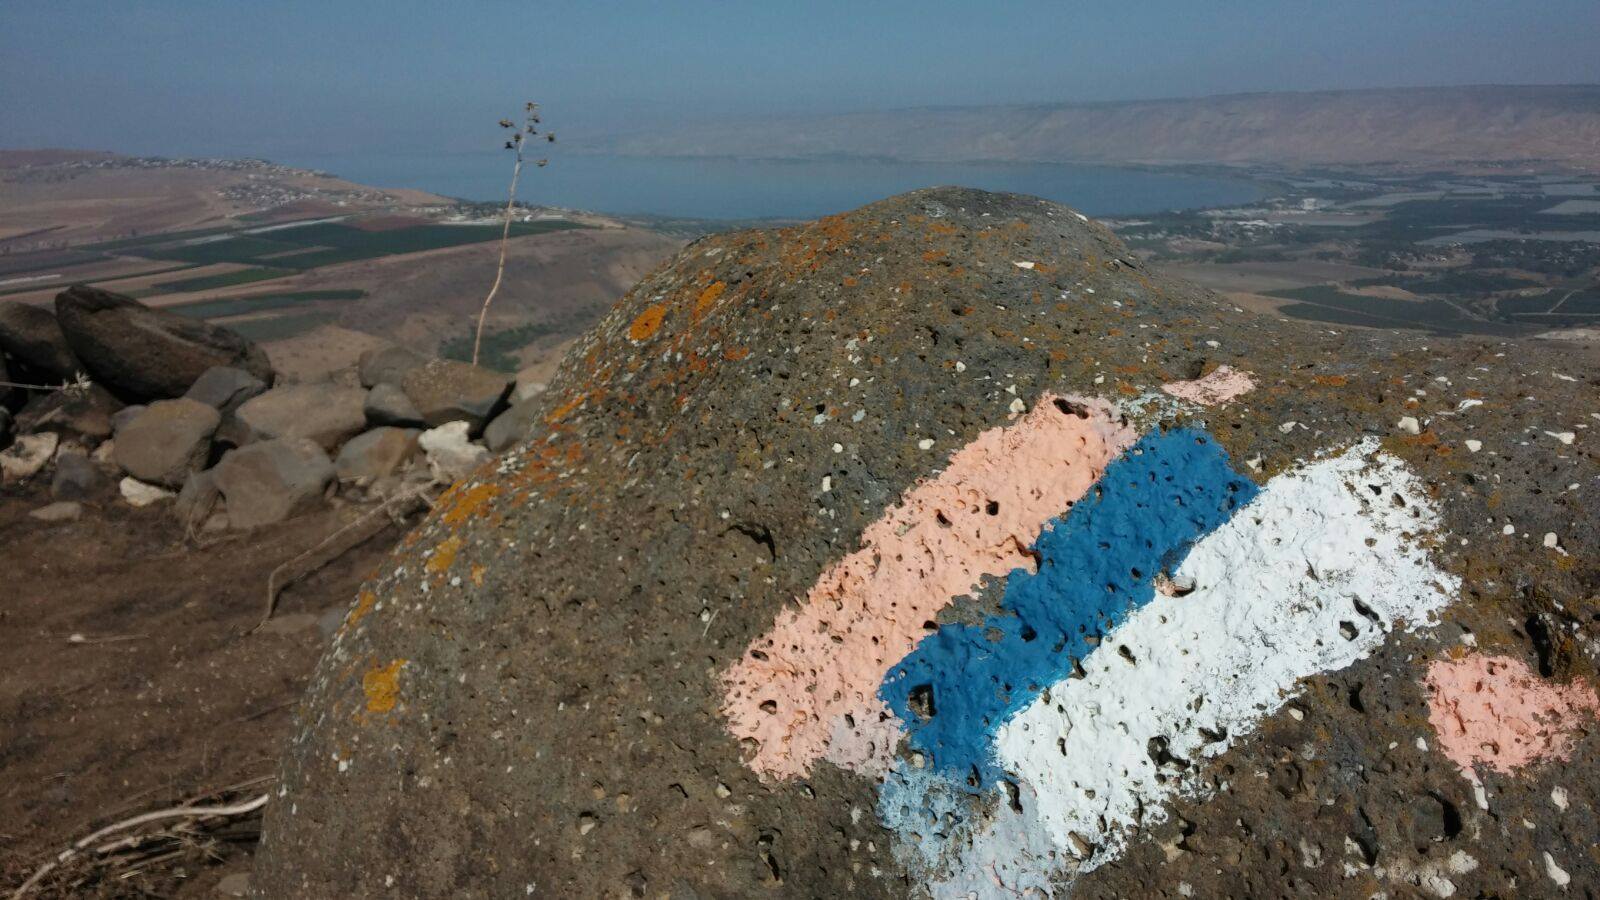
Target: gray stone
{"x":451,"y":456}
{"x":386,"y":404}
{"x":197,"y":498}
{"x":27,"y":455}
{"x":76,"y":478}
{"x":224,"y":388}
{"x":81,"y":409}
{"x":144,"y":353}
{"x":444,"y":390}
{"x":273,"y":480}
{"x":387,"y":365}
{"x":123,"y":416}
{"x":326,"y":413}
{"x":167,"y":441}
{"x":511,"y":426}
{"x":376,"y":454}
{"x":60,"y":511}
{"x":30,"y":335}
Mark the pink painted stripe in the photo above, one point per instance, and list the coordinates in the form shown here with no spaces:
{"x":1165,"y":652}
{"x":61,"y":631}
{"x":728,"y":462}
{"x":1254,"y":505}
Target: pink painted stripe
{"x":1494,"y":711}
{"x":807,"y":689}
{"x":1220,"y":385}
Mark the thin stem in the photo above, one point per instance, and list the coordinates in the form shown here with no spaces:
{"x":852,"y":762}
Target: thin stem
{"x":505,"y":237}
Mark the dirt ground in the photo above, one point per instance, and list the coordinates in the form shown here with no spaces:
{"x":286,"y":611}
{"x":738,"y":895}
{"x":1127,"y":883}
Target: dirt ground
{"x":164,"y":696}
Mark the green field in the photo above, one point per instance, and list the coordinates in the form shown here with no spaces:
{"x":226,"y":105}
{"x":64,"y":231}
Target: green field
{"x":278,"y":328}
{"x":327,"y":243}
{"x":221,"y":307}
{"x":226,"y":279}
{"x":1326,"y":303}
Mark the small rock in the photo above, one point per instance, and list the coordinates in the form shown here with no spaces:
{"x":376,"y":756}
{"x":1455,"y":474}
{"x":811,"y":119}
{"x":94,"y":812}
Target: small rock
{"x":450,"y":455}
{"x":1409,"y":425}
{"x":376,"y":454}
{"x":27,"y":455}
{"x":197,"y":499}
{"x":386,"y":404}
{"x":387,"y":365}
{"x":138,"y":493}
{"x":60,"y":511}
{"x":446,"y":391}
{"x":511,"y":426}
{"x":85,"y":410}
{"x":327,"y":413}
{"x":146,"y":353}
{"x":167,"y":441}
{"x":223,"y":388}
{"x":269,"y":481}
{"x":105,"y":454}
{"x":76,"y":477}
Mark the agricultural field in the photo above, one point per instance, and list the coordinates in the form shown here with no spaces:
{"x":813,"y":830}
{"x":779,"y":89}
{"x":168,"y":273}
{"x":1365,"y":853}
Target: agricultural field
{"x":1491,"y":255}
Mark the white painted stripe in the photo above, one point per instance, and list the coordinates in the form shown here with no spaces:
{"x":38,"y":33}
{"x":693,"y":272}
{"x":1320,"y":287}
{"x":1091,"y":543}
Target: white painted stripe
{"x":1276,"y":600}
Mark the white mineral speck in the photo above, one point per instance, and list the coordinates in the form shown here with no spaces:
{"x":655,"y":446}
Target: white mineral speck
{"x":827,"y":483}
{"x":1409,"y":425}
{"x":1558,"y":796}
{"x":1474,"y":446}
{"x":1551,"y":541}
{"x":1556,"y":873}
{"x":925,"y":444}
{"x":960,"y":366}
{"x":1565,"y":437}
{"x":1017,"y":406}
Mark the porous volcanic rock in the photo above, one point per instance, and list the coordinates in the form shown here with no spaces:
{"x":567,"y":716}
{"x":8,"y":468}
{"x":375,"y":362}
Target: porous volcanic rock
{"x":32,"y":336}
{"x":897,"y":554}
{"x":225,"y":389}
{"x":144,"y":353}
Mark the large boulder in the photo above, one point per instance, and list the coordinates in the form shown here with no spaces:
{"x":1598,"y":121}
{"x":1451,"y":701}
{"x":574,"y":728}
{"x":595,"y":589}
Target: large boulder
{"x":167,"y":441}
{"x":325,"y":412}
{"x":376,"y":454}
{"x":32,"y":336}
{"x":225,"y":389}
{"x":387,"y":365}
{"x":144,"y":353}
{"x":444,"y":390}
{"x":86,"y":410}
{"x":942,"y":548}
{"x":273,"y":480}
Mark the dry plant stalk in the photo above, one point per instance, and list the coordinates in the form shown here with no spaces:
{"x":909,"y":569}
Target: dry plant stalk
{"x":529,"y":129}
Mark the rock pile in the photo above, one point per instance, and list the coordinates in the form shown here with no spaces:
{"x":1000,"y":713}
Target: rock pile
{"x":155,"y":407}
{"x":942,"y":548}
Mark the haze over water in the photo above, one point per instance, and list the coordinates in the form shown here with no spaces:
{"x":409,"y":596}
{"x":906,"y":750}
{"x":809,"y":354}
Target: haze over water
{"x":759,"y":189}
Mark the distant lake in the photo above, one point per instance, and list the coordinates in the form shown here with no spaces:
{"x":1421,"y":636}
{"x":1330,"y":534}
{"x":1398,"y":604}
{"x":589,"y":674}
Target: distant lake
{"x":761,"y":189}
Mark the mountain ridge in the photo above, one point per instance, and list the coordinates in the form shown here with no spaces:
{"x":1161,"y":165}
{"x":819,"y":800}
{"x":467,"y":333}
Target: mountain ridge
{"x":1552,"y":124}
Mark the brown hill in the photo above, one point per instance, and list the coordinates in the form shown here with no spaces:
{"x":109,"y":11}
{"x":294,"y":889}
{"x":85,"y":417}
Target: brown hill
{"x":1413,"y":126}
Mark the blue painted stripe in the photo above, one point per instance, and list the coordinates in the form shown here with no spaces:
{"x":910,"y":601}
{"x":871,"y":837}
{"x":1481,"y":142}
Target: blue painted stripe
{"x":1095,"y":566}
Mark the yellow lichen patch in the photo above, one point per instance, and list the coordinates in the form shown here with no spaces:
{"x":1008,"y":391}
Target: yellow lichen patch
{"x":1331,"y":380}
{"x":364,"y":603}
{"x":477,"y":574}
{"x":560,"y":412}
{"x":647,"y":323}
{"x":444,"y":555}
{"x":381,"y":684}
{"x":704,"y":302}
{"x":464,"y":503}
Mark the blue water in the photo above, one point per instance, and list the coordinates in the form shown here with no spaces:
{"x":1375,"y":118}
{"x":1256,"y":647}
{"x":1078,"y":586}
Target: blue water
{"x":1097,"y":565}
{"x":762,"y":189}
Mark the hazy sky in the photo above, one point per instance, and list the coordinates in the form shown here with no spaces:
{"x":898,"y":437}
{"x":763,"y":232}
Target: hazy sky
{"x":272,"y":77}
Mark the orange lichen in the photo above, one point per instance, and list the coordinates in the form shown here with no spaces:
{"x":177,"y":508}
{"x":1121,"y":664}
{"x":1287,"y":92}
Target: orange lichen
{"x":364,"y":603}
{"x":444,"y":555}
{"x":734,"y":354}
{"x":1331,"y":380}
{"x":461,"y":504}
{"x":381,"y":684}
{"x":477,"y":574}
{"x":702,"y":303}
{"x":647,"y":323}
{"x":560,"y":412}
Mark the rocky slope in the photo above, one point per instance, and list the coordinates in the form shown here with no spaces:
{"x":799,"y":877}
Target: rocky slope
{"x":938,"y":548}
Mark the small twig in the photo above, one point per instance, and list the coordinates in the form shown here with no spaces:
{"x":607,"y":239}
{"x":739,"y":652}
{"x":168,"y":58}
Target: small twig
{"x":336,"y":545}
{"x":529,"y":128}
{"x":178,"y":812}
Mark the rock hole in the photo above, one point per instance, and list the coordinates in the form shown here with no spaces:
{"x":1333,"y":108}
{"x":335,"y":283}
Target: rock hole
{"x":920,"y":701}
